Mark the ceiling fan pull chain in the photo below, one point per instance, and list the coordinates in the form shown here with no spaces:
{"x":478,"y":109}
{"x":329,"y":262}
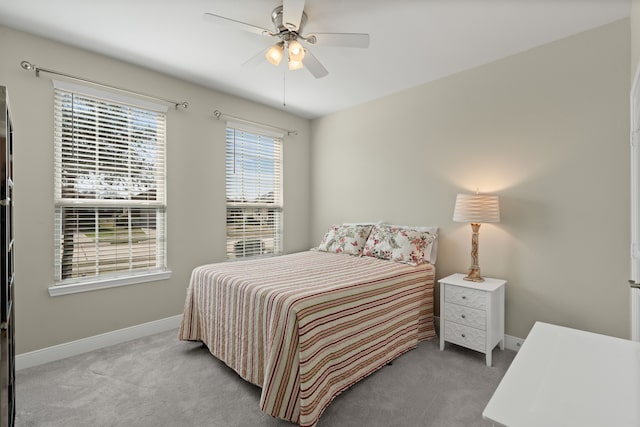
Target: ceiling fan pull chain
{"x":284,"y":90}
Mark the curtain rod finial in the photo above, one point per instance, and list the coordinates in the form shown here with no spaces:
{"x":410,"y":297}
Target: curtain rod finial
{"x":26,"y":65}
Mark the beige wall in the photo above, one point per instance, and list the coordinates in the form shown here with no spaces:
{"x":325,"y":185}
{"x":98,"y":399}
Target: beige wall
{"x":546,"y":130}
{"x":635,"y":35}
{"x":196,"y":191}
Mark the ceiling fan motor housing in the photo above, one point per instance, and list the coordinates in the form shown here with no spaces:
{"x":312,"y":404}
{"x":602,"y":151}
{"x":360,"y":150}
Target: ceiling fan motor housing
{"x":281,"y":28}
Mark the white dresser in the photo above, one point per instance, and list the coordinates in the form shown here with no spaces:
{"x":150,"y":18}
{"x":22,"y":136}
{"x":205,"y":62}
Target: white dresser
{"x":569,"y":378}
{"x":472,"y":313}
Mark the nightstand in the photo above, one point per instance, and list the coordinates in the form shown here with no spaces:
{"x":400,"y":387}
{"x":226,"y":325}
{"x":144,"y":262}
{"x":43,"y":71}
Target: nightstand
{"x":472,"y":313}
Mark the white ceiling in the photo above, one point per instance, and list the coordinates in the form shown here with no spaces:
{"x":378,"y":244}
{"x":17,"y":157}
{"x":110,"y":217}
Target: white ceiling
{"x":412,"y":41}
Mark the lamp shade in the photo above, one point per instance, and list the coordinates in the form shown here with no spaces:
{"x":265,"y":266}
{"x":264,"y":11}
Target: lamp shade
{"x":476,"y":208}
{"x":296,"y":51}
{"x":295,"y":65}
{"x":275,"y":53}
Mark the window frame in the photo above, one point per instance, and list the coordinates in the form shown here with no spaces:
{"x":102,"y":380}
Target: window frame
{"x":159,"y":206}
{"x":277,"y":206}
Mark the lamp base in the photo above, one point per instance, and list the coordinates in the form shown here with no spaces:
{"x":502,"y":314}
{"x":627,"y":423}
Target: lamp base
{"x":474,"y":274}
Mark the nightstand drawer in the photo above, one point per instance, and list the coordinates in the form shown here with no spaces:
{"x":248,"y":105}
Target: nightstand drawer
{"x":466,"y":336}
{"x":474,"y":298}
{"x":466,"y":316}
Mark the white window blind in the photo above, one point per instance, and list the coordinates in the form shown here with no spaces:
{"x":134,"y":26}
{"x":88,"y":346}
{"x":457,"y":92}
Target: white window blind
{"x":254,"y":193}
{"x":109,"y":188}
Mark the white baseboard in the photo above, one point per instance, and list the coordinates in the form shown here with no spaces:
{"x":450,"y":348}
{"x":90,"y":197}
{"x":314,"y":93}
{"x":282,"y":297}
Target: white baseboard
{"x":73,"y":348}
{"x":513,"y":343}
{"x":510,"y":342}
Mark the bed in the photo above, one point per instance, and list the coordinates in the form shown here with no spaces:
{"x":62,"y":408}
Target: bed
{"x":306,"y":326}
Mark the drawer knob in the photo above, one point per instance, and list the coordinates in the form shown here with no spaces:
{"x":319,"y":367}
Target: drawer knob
{"x":463,"y":316}
{"x":464,"y":297}
{"x":464,"y":336}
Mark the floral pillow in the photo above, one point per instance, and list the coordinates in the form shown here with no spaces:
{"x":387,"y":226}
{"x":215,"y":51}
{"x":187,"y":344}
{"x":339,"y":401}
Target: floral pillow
{"x":398,"y":244}
{"x":346,"y":238}
{"x":431,"y":252}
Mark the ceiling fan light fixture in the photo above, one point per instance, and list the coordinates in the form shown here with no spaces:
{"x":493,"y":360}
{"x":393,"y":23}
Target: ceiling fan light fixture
{"x":296,"y":51}
{"x":294,"y":65}
{"x":289,"y":21}
{"x":275,"y":53}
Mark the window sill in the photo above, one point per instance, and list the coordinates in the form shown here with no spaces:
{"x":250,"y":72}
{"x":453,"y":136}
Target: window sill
{"x":92,"y":285}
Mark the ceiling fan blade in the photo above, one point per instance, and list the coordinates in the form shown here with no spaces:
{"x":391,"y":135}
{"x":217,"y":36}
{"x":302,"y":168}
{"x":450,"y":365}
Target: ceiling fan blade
{"x":238,"y":25}
{"x":292,"y":13}
{"x":256,"y":60}
{"x":314,"y":66}
{"x":360,"y":40}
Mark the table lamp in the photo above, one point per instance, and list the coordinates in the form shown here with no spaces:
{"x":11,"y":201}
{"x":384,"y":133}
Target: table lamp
{"x":476,"y":209}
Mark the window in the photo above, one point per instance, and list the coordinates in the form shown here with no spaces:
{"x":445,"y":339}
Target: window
{"x":109,"y":187}
{"x":254,"y":192}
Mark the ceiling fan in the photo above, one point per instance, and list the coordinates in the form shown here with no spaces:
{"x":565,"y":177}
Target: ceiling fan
{"x":289,"y":21}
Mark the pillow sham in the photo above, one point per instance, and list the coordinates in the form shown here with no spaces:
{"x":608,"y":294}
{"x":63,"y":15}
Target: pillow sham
{"x":406,"y":245}
{"x":346,"y":238}
{"x":431,"y":252}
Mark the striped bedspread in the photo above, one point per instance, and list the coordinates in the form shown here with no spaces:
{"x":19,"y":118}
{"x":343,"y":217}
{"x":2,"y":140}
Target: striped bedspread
{"x":307,"y":326}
